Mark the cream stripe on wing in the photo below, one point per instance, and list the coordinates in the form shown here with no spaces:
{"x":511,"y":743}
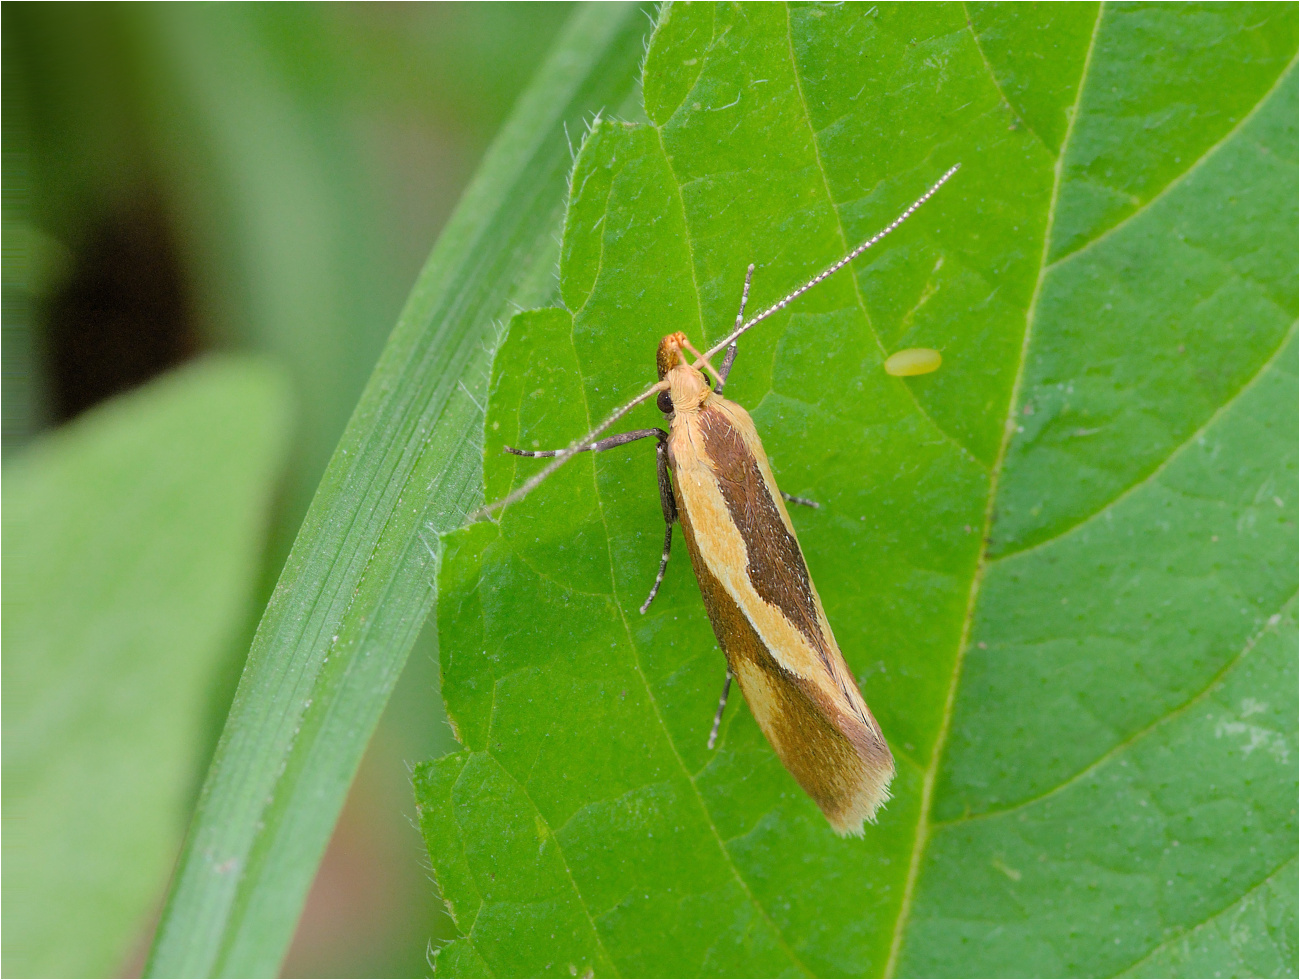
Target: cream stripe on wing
{"x":837,"y":666}
{"x":723,"y":550}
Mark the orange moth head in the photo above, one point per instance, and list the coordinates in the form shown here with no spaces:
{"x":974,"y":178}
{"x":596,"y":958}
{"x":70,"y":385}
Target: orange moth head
{"x":669,"y":354}
{"x":687,"y":387}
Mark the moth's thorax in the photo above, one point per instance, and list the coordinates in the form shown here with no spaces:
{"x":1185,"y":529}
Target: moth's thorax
{"x":688,"y":389}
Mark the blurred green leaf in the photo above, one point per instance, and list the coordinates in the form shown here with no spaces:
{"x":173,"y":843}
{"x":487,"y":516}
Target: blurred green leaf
{"x":132,"y":543}
{"x":360,"y":580}
{"x":1063,"y":568}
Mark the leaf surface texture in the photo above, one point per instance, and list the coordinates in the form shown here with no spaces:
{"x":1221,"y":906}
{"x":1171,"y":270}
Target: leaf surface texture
{"x":1062,"y":567}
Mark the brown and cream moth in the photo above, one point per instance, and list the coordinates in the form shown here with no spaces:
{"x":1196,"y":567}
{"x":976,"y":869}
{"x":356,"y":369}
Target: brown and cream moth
{"x":761,"y":601}
{"x":714,"y":479}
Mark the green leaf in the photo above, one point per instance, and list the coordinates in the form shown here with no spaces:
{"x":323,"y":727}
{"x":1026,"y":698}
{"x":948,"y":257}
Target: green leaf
{"x":133,"y":539}
{"x":359,"y":582}
{"x":1063,"y":568}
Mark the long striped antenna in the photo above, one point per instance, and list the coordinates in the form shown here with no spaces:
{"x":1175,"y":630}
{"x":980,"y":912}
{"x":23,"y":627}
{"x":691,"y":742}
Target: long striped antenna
{"x":578,"y":445}
{"x":564,"y":455}
{"x":832,"y":269}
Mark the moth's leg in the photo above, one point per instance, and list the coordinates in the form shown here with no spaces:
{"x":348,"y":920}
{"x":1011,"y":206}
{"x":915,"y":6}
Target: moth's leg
{"x":803,"y":501}
{"x":666,"y":501}
{"x":669,"y":507}
{"x":622,"y":439}
{"x":722,"y":703}
{"x":740,"y":320}
{"x":663,"y":565}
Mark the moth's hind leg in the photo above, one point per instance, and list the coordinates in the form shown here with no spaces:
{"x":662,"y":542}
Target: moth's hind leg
{"x":722,"y":704}
{"x":669,"y":506}
{"x":740,"y":320}
{"x":802,"y":501}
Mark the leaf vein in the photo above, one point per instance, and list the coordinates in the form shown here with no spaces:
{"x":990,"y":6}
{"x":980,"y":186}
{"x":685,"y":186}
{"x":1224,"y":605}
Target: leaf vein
{"x":994,"y":78}
{"x":844,"y":239}
{"x":468,"y":934}
{"x":1270,"y":623}
{"x":686,"y":229}
{"x":600,"y":257}
{"x":654,"y":703}
{"x":546,"y":577}
{"x":560,"y":852}
{"x":1165,"y":463}
{"x":1182,"y":177}
{"x":1194,"y":927}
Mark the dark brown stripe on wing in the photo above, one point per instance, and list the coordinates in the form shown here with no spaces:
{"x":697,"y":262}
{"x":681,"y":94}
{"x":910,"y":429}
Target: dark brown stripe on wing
{"x":775,"y":566}
{"x":833,"y":753}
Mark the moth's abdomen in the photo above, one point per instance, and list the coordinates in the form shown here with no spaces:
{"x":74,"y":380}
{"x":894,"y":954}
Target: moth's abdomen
{"x":838,"y":759}
{"x":768,"y":619}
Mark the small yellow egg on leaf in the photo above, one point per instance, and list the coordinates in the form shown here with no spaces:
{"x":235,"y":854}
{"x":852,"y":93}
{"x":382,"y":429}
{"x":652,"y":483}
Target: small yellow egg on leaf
{"x":914,"y":360}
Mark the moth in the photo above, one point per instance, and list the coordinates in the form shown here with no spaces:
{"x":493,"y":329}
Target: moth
{"x":715,"y":481}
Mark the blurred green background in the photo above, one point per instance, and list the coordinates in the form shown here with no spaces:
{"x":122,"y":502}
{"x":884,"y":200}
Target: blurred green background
{"x":185,"y":182}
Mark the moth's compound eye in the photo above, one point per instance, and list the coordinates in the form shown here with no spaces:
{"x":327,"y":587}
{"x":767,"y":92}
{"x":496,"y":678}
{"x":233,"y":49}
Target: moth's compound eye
{"x":665,"y":403}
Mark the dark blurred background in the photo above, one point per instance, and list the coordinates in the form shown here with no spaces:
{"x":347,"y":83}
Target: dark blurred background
{"x":180,"y":179}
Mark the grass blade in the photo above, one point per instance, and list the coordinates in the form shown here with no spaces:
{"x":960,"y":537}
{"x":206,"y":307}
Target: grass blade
{"x":359,"y":582}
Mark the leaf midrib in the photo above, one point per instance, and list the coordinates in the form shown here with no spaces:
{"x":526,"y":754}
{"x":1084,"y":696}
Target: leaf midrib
{"x":1145,"y":478}
{"x":985,"y":561}
{"x":923,"y":828}
{"x":930,"y":772}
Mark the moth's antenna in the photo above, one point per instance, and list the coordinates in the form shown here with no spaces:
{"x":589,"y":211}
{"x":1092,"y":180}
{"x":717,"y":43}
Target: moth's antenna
{"x":690,"y":348}
{"x":831,"y":270}
{"x":563,"y":455}
{"x":578,"y":445}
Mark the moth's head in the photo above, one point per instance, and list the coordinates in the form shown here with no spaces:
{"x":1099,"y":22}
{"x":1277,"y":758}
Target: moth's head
{"x":687,"y":386}
{"x":669,"y":354}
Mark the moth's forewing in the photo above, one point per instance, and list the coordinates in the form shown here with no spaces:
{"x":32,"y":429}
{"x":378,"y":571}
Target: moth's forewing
{"x":768,"y":617}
